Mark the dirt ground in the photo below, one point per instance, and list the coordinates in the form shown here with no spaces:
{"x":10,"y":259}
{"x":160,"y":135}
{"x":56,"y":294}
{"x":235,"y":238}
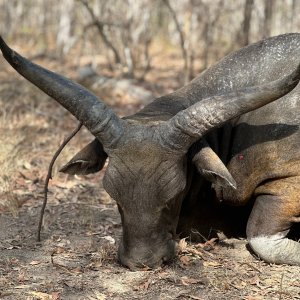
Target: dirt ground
{"x":76,"y":258}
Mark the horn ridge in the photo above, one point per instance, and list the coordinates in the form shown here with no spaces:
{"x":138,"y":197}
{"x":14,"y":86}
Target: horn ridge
{"x":187,"y":126}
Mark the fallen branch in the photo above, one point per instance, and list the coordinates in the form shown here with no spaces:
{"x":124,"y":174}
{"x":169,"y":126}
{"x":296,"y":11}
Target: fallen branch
{"x":49,"y":176}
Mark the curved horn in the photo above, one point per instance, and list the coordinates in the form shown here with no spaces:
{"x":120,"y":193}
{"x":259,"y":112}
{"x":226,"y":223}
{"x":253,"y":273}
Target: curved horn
{"x":99,"y":119}
{"x":187,"y":126}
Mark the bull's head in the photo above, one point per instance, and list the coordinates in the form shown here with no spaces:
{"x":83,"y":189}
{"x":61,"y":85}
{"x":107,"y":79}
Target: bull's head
{"x":147,"y":170}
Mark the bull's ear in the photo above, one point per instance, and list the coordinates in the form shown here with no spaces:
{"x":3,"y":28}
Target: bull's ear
{"x":90,"y":159}
{"x":210,"y":166}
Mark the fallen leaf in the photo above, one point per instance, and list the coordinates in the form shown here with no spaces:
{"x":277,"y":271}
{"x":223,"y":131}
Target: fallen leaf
{"x":208,"y":245}
{"x":295,"y":283}
{"x":211,"y":264}
{"x":194,"y":252}
{"x":188,"y":281}
{"x":63,"y":185}
{"x":21,"y":278}
{"x":27,"y":177}
{"x":110,"y":239}
{"x":21,"y":182}
{"x":27,"y":165}
{"x":11,"y":248}
{"x":182,"y":246}
{"x":35,"y":262}
{"x":41,"y":296}
{"x":55,"y":295}
{"x":59,"y":250}
{"x":254,"y":280}
{"x":100,"y":296}
{"x":144,"y":285}
{"x":22,"y":286}
{"x":185,"y":260}
{"x":196,"y":297}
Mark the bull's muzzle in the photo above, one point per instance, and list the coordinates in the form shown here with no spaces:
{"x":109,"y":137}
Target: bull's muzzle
{"x":146,"y":256}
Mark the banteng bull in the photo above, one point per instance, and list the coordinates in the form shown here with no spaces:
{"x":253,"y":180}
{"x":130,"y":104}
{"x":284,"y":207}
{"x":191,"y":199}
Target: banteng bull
{"x":224,"y":124}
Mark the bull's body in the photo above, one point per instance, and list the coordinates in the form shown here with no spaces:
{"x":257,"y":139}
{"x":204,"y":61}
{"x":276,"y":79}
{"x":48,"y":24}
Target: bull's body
{"x":260,"y":150}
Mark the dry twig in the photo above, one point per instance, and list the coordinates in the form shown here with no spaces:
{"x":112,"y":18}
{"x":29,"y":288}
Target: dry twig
{"x":49,"y":176}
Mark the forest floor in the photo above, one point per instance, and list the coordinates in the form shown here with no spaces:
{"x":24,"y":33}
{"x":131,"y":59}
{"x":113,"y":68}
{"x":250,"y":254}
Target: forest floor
{"x":76,"y":258}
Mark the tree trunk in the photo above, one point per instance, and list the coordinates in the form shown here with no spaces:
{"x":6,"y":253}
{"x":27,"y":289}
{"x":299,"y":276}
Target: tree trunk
{"x":64,"y":37}
{"x":269,"y":4}
{"x":182,"y":41}
{"x":244,"y":36}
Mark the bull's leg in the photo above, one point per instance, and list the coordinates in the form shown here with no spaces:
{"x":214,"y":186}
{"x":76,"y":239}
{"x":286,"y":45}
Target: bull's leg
{"x":268,"y":225}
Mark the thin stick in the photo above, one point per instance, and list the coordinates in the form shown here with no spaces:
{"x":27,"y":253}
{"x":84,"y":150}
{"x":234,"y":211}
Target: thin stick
{"x":281,"y":282}
{"x":49,"y":176}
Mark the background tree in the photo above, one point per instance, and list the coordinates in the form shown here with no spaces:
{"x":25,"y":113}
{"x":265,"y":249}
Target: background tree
{"x":268,"y":14}
{"x":129,"y":33}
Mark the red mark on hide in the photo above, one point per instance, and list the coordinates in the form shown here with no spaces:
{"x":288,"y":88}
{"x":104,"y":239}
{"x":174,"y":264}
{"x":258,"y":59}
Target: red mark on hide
{"x":241,"y":156}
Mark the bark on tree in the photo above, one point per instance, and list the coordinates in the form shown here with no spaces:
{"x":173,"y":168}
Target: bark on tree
{"x":181,"y":39}
{"x":100,"y":27}
{"x":268,"y":14}
{"x":245,"y":32}
{"x":65,"y":38}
